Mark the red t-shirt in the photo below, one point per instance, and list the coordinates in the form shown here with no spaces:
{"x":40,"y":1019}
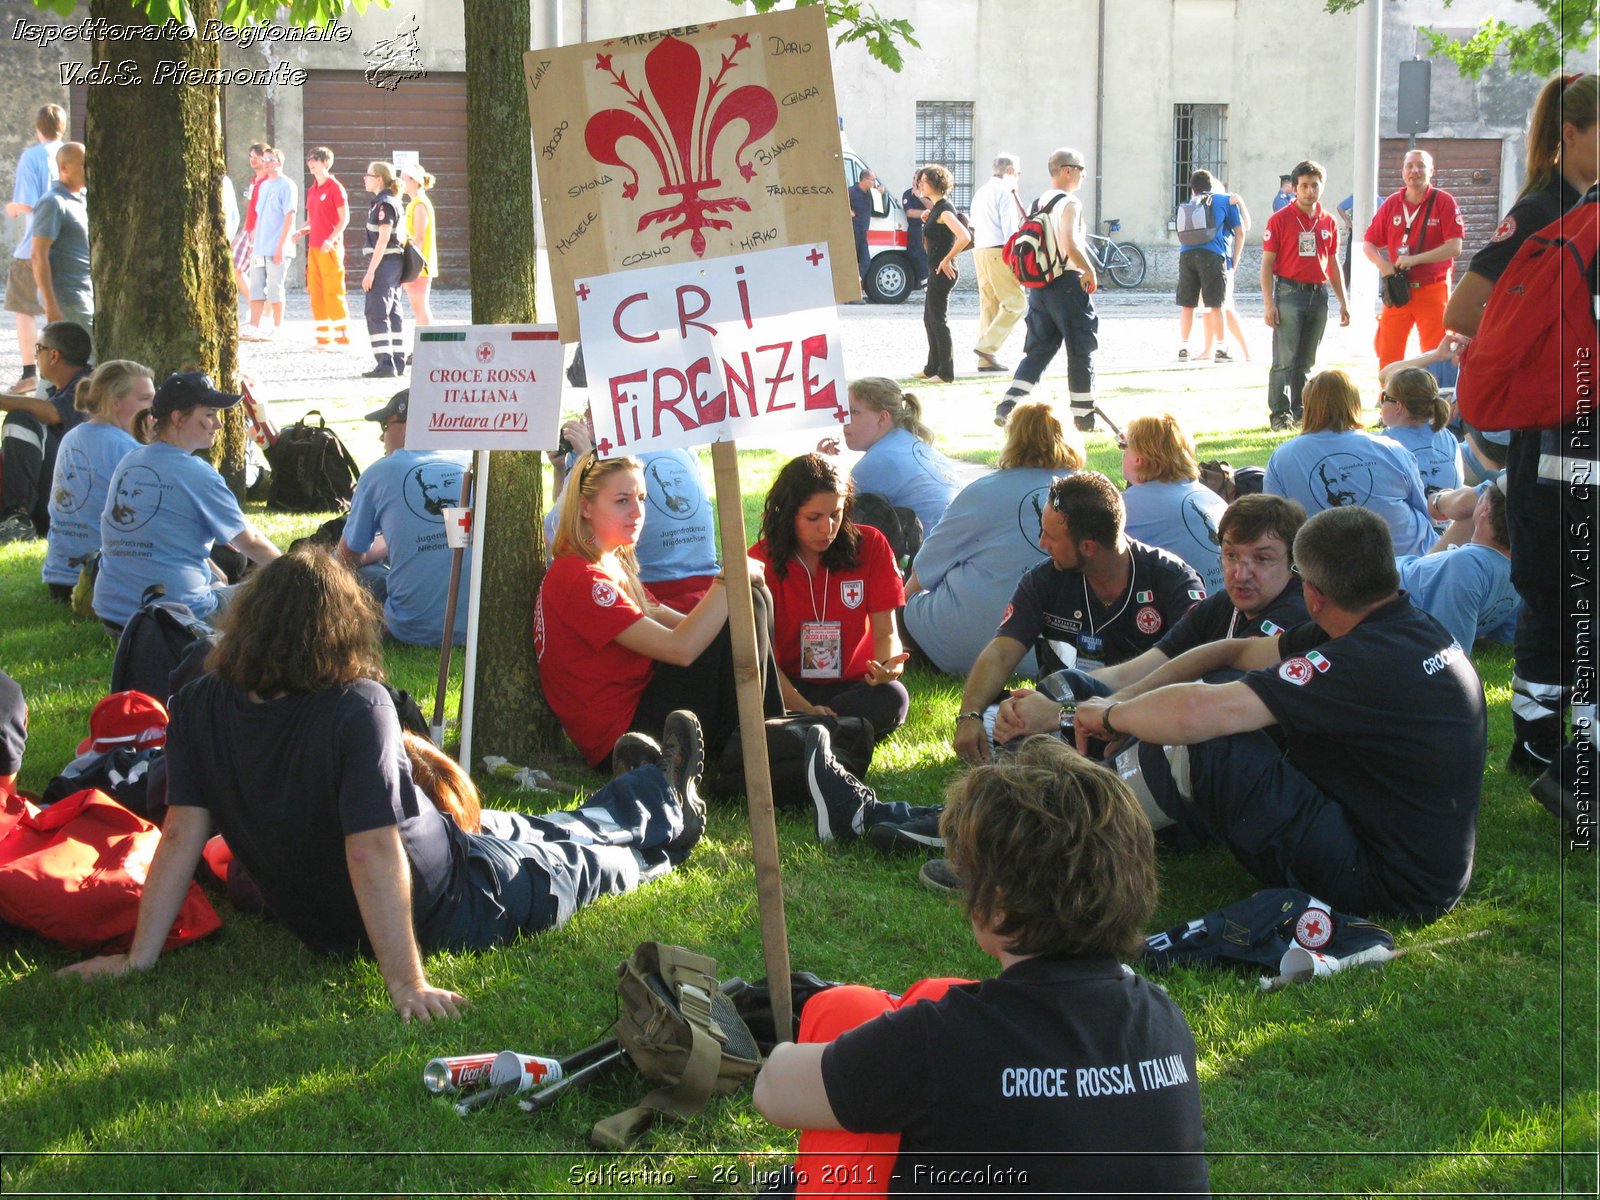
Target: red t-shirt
{"x":1282,"y":238}
{"x":1388,"y":229}
{"x":250,"y":203}
{"x":592,"y":683}
{"x":323,"y":204}
{"x":849,"y":596}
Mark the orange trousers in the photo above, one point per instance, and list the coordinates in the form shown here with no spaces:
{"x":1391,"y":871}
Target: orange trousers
{"x":325,"y":283}
{"x":834,"y":1162}
{"x":1424,"y":311}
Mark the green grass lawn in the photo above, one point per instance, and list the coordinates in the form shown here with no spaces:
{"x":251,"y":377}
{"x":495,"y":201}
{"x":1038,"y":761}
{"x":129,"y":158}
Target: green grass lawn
{"x":246,"y":1064}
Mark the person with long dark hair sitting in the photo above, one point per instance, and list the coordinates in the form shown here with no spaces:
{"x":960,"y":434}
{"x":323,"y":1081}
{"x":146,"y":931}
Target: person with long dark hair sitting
{"x":290,"y":747}
{"x":835,"y":592}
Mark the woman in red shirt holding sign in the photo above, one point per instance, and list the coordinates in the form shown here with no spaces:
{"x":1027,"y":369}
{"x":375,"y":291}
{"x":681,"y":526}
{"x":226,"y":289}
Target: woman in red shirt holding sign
{"x":611,"y":658}
{"x":835,"y":591}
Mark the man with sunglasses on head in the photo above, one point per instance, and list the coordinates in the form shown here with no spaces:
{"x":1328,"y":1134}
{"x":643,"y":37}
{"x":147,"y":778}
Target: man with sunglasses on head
{"x":397,"y":516}
{"x":1262,"y":598}
{"x":1319,"y":767}
{"x":1098,"y":600}
{"x":34,"y":428}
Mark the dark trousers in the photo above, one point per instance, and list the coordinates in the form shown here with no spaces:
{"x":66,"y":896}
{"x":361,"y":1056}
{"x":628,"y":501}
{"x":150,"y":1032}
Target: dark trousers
{"x":383,"y":313}
{"x":1061,"y":313}
{"x":1279,"y":825}
{"x":706,"y":686}
{"x":28,"y":454}
{"x":1302,"y":316}
{"x":528,"y":873}
{"x":935,"y":309}
{"x":883,"y":706}
{"x":916,"y":251}
{"x":863,"y":255}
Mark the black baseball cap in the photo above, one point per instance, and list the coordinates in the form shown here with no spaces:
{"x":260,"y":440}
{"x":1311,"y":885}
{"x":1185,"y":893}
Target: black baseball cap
{"x":395,"y":410}
{"x":189,"y":389}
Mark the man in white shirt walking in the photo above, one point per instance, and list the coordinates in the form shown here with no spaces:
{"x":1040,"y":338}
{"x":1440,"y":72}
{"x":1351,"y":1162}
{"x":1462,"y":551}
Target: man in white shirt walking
{"x":996,"y":212}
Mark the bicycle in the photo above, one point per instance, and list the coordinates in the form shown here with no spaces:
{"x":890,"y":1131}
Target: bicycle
{"x":1122,"y":261}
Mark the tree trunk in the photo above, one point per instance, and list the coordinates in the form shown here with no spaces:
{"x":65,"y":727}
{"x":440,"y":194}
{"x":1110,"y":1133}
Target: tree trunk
{"x":163,"y":276}
{"x":511,"y":717}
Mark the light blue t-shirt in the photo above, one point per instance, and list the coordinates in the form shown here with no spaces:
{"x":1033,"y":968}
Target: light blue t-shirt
{"x":678,"y":538}
{"x":164,"y":511}
{"x":36,"y":171}
{"x":87,"y":459}
{"x":403,"y":496}
{"x":908,"y":473}
{"x":1467,"y":590}
{"x":275,"y":200}
{"x":1438,"y":455}
{"x":1332,"y":470}
{"x":1180,"y":518}
{"x":63,"y":217}
{"x":970,"y":564}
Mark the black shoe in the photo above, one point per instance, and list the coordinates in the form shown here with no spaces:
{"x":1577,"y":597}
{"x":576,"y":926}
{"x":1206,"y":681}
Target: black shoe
{"x":18,"y":527}
{"x":384,"y":370}
{"x":1525,"y":760}
{"x":919,"y":835}
{"x":1558,"y":800}
{"x":1083,"y":422}
{"x":1284,"y":423}
{"x":683,"y":758}
{"x":1002,"y":411}
{"x":938,"y":875}
{"x":634,"y":750}
{"x":838,"y":797}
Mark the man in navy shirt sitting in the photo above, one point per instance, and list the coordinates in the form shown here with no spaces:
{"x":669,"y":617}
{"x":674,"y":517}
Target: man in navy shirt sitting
{"x":1371,"y":801}
{"x":34,"y":428}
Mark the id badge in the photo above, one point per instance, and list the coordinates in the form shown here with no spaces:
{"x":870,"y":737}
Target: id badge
{"x":1308,"y":243}
{"x":821,"y":650}
{"x":1091,"y":652}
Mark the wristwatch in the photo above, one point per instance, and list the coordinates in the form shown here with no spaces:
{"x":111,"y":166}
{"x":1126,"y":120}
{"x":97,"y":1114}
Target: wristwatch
{"x":1105,"y":720}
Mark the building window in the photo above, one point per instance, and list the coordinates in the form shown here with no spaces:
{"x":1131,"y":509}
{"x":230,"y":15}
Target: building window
{"x":944,"y":135}
{"x":1199,"y":139}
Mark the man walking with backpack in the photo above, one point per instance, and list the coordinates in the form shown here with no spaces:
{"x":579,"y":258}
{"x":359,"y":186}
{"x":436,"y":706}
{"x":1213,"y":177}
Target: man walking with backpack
{"x":1205,"y":223}
{"x":1059,"y":308}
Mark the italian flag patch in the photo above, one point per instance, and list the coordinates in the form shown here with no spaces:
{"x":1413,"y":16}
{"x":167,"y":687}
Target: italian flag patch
{"x":1194,"y":595}
{"x":1317,"y":661}
{"x":1268,"y":629}
{"x":1144,"y":598}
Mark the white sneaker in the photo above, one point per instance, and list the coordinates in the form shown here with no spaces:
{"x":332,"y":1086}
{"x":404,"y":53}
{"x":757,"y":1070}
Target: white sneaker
{"x":251,"y":333}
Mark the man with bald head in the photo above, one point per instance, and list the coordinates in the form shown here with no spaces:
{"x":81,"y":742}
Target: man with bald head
{"x":61,"y":243}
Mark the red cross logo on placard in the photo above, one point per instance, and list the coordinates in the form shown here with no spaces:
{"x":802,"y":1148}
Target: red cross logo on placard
{"x":485,"y":351}
{"x":814,"y":257}
{"x":583,"y":291}
{"x":841,"y":415}
{"x":464,"y":522}
{"x":604,"y":446}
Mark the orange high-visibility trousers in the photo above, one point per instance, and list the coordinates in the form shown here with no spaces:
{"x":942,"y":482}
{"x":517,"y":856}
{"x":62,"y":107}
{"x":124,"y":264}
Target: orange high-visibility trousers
{"x":325,"y":283}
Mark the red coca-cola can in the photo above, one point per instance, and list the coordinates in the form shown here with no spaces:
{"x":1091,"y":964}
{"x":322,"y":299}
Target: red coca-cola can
{"x":459,"y":1073}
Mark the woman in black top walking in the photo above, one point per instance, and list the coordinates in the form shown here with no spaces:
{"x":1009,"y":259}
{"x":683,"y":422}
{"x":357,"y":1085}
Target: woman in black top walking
{"x":944,"y":237}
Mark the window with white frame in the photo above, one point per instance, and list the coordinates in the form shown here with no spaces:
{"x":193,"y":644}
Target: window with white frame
{"x":944,"y":135}
{"x":1199,"y":140}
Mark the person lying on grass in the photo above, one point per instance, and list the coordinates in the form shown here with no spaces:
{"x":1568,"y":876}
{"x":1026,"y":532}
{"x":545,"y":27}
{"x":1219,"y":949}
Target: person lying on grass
{"x":1064,"y":1074}
{"x":290,"y":748}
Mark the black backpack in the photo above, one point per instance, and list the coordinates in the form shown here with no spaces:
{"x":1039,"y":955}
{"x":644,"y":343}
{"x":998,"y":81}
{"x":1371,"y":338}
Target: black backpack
{"x":153,"y":642}
{"x":311,"y":469}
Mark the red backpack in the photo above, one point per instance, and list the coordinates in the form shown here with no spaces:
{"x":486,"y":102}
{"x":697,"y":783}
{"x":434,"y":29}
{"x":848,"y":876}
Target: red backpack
{"x":1031,"y":252}
{"x":1533,"y":359}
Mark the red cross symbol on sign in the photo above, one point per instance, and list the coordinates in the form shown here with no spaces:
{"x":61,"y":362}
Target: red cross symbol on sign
{"x":814,"y":257}
{"x":841,"y":416}
{"x":604,"y":447}
{"x":464,"y":521}
{"x":583,"y":291}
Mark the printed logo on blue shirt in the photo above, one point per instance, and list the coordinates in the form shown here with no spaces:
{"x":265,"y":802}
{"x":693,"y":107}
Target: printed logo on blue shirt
{"x":1341,"y":480}
{"x":431,"y":488}
{"x":138,"y":498}
{"x":670,"y":490}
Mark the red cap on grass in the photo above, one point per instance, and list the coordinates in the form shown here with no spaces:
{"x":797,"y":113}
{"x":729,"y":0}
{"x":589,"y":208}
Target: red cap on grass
{"x":130,"y":719}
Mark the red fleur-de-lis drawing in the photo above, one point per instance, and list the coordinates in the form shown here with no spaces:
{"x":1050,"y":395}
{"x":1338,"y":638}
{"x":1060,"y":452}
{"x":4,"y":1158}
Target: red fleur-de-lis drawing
{"x":679,"y":126}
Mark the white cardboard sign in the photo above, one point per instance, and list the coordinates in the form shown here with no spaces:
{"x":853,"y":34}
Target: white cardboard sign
{"x":745,"y":346}
{"x":485,"y":387}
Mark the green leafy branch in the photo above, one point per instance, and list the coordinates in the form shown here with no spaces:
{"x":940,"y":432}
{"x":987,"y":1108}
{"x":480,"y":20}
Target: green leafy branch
{"x":882,"y":36}
{"x":1539,"y":48}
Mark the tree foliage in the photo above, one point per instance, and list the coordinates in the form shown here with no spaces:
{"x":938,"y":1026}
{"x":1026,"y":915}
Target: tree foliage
{"x":862,"y":23}
{"x":1540,"y":48}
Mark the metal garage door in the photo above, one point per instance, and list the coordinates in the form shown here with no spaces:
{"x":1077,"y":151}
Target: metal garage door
{"x":359,"y":123}
{"x":1467,"y":168}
